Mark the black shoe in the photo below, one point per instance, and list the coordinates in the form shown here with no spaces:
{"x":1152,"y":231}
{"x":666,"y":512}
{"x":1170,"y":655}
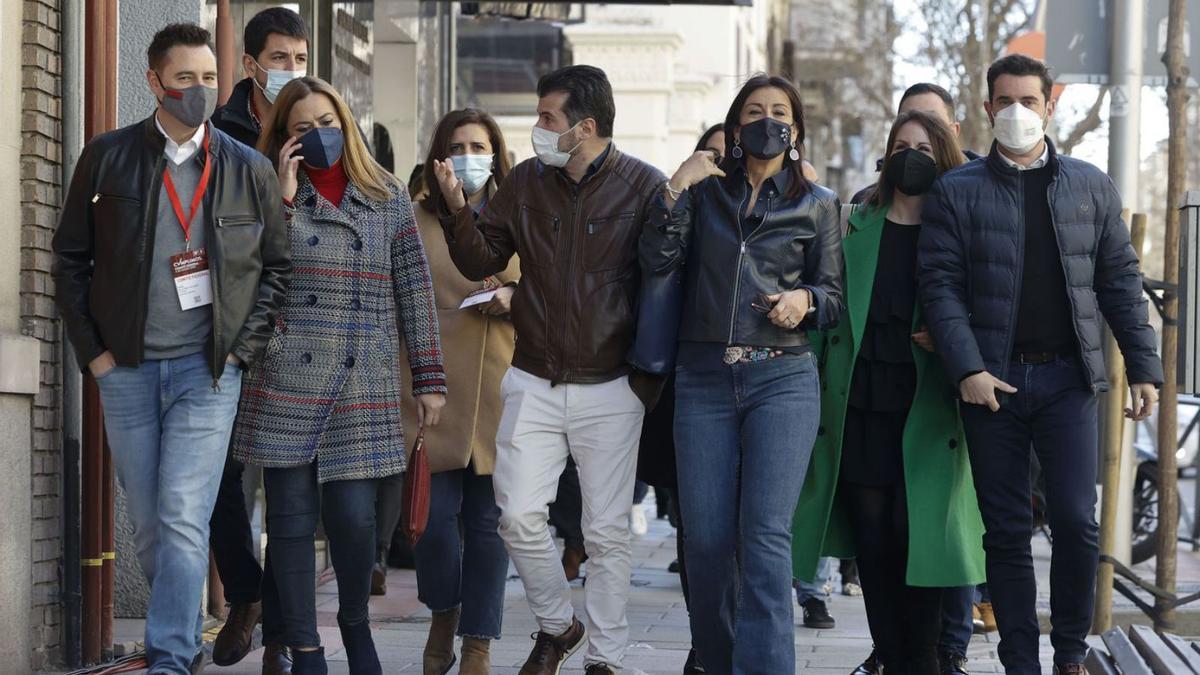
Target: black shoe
{"x":599,"y":669}
{"x":816,"y":615}
{"x":869,"y":667}
{"x":953,"y":664}
{"x":693,"y":666}
{"x":673,"y":568}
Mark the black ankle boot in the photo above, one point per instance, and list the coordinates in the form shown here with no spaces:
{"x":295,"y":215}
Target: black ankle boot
{"x":360,"y":648}
{"x":309,"y":663}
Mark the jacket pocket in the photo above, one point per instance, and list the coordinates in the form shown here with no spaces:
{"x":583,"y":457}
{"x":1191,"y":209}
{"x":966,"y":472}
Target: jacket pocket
{"x":118,"y":227}
{"x":539,"y":236}
{"x":237,"y":231}
{"x":610,"y":243}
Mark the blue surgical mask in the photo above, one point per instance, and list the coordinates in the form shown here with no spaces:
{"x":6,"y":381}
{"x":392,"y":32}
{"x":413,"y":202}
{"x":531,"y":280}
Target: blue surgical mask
{"x":321,"y":147}
{"x":473,"y":170}
{"x":276,"y":79}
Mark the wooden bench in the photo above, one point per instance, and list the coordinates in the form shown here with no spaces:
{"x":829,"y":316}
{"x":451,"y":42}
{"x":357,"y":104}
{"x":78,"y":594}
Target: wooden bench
{"x":1141,"y":651}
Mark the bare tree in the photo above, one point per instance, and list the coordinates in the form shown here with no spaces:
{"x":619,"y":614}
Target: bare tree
{"x":961,"y":39}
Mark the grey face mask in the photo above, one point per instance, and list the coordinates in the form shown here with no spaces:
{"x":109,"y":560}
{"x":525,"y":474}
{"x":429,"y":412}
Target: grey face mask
{"x":191,"y":106}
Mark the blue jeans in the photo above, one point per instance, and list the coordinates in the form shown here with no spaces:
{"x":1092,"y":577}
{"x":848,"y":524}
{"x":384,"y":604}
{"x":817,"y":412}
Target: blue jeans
{"x":347,"y":508}
{"x":1055,"y":410}
{"x":958,"y":619}
{"x":815,"y":589}
{"x":169,"y":429}
{"x":466,"y":570}
{"x":744,"y":436}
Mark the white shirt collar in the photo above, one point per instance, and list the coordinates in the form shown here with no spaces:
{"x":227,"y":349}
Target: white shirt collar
{"x":180,"y":153}
{"x":1037,"y":163}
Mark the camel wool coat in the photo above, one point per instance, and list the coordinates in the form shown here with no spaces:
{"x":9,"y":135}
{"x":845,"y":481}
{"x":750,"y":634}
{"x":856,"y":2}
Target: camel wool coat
{"x":476,"y":352}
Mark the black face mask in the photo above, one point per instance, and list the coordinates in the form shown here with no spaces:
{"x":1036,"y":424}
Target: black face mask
{"x":766,"y":138}
{"x":911,"y":171}
{"x":321,"y":147}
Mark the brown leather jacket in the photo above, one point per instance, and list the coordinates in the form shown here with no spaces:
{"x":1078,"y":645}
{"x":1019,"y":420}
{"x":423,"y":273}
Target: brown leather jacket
{"x":578,"y":244}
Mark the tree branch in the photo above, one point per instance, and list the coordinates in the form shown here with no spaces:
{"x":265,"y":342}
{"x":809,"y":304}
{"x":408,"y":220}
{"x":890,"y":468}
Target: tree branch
{"x":1089,"y":123}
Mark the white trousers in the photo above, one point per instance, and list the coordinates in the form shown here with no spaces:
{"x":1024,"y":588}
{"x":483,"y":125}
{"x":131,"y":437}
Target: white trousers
{"x":599,"y":425}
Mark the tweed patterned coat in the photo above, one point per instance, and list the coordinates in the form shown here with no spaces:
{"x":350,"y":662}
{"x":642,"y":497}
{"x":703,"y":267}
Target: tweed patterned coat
{"x":328,"y":387}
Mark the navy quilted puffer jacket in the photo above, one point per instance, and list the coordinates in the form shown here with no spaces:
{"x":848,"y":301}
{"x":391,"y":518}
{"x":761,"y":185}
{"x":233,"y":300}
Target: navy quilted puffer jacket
{"x":971,"y":260}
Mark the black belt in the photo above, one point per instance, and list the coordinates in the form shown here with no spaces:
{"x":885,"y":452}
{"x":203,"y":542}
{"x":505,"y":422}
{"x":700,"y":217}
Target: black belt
{"x":1035,"y":358}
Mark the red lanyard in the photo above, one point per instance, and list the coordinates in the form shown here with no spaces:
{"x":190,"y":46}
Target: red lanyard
{"x":201,"y":188}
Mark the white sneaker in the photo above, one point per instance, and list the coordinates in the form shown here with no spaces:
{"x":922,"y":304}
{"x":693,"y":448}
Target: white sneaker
{"x":637,"y":521}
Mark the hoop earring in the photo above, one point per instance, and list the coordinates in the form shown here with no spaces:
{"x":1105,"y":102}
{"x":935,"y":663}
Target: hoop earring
{"x":736,"y":153}
{"x":794,"y":155}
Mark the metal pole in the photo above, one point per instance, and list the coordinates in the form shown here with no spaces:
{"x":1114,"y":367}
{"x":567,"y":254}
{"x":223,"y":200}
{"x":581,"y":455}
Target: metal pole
{"x":1125,"y":97}
{"x":72,"y":379}
{"x":1168,"y":504}
{"x":226,"y":53}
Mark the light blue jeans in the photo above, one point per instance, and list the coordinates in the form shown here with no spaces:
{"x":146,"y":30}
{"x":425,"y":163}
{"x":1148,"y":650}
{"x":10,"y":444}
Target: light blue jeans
{"x":169,"y":429}
{"x":815,"y":589}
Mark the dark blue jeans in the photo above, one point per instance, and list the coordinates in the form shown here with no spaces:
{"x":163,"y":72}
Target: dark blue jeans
{"x":744,"y":436}
{"x":1055,"y":410}
{"x":347,"y":508}
{"x":958,"y":619}
{"x":466,"y":570}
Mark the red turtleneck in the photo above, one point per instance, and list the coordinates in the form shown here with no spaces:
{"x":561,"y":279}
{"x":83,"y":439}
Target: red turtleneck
{"x":331,"y":182}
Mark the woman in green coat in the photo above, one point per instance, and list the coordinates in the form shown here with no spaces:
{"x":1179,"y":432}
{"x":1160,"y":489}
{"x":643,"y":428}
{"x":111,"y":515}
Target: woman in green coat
{"x":890,"y":480}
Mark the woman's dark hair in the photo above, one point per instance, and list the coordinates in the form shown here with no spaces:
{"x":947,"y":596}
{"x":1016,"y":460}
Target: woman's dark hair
{"x":1020,"y":66}
{"x":175,"y":35}
{"x":439,"y":149}
{"x":280,"y":20}
{"x":946,"y":152}
{"x":588,"y":95}
{"x":798,"y":185}
{"x":707,"y":135}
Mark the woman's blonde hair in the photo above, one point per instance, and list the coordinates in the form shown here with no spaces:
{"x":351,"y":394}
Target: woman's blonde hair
{"x":361,"y":169}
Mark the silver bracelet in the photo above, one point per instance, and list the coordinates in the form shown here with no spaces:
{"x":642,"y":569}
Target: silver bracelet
{"x":674,"y":194}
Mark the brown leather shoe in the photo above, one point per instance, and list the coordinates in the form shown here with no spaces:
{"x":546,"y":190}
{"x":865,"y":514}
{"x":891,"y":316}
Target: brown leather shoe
{"x":277,"y":660}
{"x":438,"y":657}
{"x":551,"y":651}
{"x":1070,"y":669}
{"x":476,"y":657}
{"x":234,"y":640}
{"x":572,"y":558}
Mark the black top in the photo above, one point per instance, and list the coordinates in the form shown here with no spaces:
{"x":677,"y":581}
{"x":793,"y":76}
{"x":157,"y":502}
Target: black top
{"x":885,"y":377}
{"x":1044,"y":316}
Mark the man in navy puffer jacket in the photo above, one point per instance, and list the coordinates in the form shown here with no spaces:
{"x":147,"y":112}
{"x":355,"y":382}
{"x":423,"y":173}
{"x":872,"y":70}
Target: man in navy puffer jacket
{"x":1021,"y":254}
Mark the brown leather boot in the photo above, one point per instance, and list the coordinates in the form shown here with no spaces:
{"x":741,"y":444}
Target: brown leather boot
{"x":988,"y":616}
{"x":439,"y":655}
{"x":476,"y":657}
{"x":233,"y":642}
{"x":551,"y":651}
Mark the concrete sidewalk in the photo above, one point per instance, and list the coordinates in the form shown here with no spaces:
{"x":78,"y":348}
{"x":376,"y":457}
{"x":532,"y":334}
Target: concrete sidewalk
{"x":659,"y":638}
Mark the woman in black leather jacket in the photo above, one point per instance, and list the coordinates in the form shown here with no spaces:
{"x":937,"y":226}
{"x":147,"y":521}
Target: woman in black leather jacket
{"x":761,"y":250}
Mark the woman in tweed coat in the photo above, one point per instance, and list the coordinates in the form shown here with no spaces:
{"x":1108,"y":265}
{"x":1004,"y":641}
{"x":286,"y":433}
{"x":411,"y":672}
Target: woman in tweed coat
{"x":321,"y":411}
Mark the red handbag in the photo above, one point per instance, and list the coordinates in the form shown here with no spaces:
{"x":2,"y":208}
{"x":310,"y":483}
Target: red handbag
{"x":416,"y":491}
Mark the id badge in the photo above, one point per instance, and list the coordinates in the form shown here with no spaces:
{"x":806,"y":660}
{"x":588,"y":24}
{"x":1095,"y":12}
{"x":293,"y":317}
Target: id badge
{"x":192,"y":282}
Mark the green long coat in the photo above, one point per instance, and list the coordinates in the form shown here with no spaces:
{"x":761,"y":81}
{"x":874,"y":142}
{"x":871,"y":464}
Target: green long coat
{"x":945,"y":529}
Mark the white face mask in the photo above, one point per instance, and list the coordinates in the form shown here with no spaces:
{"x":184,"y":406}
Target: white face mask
{"x":1018,"y":128}
{"x":276,"y":79}
{"x":545,"y":145}
{"x":473,"y":170}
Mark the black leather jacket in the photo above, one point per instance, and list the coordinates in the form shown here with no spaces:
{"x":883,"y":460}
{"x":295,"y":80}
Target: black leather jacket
{"x":729,"y":257}
{"x":105,"y":242}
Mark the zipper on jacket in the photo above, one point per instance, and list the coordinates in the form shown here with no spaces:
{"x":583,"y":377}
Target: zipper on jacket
{"x":1066,"y":281}
{"x":568,"y":286}
{"x":99,"y":195}
{"x":1018,"y":278}
{"x":149,"y":225}
{"x":218,"y":365}
{"x":737,"y":280}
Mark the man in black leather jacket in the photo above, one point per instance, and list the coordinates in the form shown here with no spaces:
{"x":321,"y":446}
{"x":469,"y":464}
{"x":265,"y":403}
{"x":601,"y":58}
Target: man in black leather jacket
{"x":1022,"y":255}
{"x":171,"y":261}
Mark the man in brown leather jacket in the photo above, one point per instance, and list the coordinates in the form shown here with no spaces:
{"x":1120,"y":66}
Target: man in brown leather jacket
{"x":573,"y":215}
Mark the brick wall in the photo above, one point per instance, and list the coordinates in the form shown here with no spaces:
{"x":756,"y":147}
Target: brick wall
{"x":41,"y":152}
